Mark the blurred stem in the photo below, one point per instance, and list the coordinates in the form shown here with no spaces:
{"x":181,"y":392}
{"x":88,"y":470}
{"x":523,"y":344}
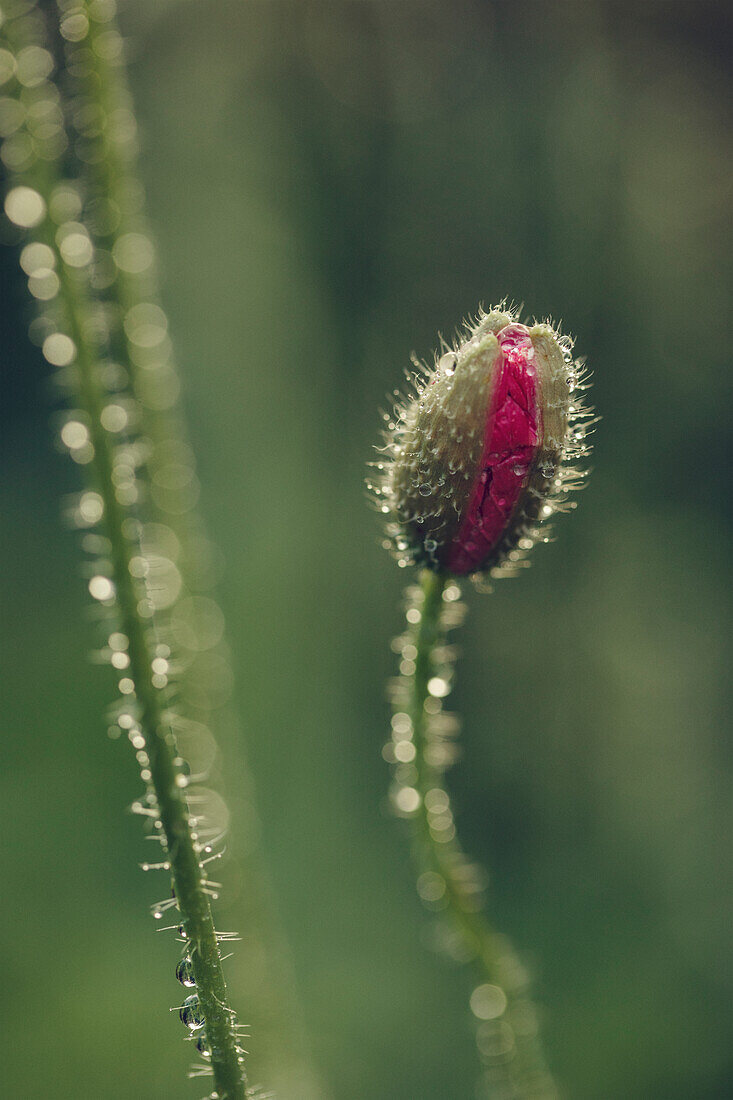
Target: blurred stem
{"x":99,"y":81}
{"x":429,"y":634}
{"x":183,"y":854}
{"x":506,"y":1021}
{"x":96,"y":75}
{"x":75,"y":312}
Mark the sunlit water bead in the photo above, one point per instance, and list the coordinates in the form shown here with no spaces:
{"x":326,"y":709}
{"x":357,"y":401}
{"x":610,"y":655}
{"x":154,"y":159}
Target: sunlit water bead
{"x":184,"y":972}
{"x":88,"y":511}
{"x":119,"y":660}
{"x":59,"y":349}
{"x":431,"y":888}
{"x":115,"y":416}
{"x":33,"y":66}
{"x":25,"y":207}
{"x":74,"y":434}
{"x":65,"y":204}
{"x":133,"y":253}
{"x":146,"y":325}
{"x":75,"y":26}
{"x":76,"y":438}
{"x":124,"y":477}
{"x":191,"y":1014}
{"x":74,"y":244}
{"x":38,"y":262}
{"x":406,"y":800}
{"x":438,"y":687}
{"x":102,"y":588}
{"x":488,"y":1002}
{"x":202,"y":1045}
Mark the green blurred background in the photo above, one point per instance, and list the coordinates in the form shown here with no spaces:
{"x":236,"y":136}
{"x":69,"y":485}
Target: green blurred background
{"x":331,"y":185}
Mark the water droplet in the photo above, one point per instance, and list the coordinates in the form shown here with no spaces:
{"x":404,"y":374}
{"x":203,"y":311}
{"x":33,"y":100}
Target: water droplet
{"x":191,"y":1014}
{"x":488,"y":1002}
{"x":425,"y":490}
{"x":75,"y":246}
{"x":59,"y":349}
{"x":431,"y":886}
{"x":407,"y":799}
{"x":101,"y":588}
{"x":25,"y":207}
{"x":202,"y":1046}
{"x":431,"y":545}
{"x":184,"y":972}
{"x":438,"y":687}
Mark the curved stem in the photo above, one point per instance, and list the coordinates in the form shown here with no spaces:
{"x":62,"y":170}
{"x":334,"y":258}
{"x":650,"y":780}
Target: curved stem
{"x":506,"y":1030}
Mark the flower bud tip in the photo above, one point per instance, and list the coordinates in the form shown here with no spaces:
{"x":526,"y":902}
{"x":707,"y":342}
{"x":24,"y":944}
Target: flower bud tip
{"x":482,"y":453}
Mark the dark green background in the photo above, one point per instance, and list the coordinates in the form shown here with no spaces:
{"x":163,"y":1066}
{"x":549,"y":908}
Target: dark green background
{"x":331,"y":185}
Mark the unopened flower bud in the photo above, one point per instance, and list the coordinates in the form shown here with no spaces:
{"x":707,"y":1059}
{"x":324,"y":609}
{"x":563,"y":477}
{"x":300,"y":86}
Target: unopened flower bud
{"x":480,"y":456}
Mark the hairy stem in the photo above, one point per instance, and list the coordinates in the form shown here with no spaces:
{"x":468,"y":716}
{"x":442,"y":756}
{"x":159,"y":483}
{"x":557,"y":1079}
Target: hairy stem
{"x":506,"y":1029}
{"x":77,"y":340}
{"x":166,"y":779}
{"x":97,"y":80}
{"x":165,"y":775}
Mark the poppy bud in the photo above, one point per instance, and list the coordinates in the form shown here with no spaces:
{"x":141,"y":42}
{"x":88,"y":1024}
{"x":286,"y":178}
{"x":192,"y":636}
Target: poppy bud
{"x":478,"y":457}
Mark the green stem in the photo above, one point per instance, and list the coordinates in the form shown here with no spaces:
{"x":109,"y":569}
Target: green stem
{"x":99,"y":81}
{"x":96,"y":77}
{"x":165,"y":776}
{"x":73,"y":313}
{"x":430,"y":634}
{"x":506,"y":1023}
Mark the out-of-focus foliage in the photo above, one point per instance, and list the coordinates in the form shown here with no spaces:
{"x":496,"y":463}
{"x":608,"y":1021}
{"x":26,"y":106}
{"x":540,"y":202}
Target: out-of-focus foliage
{"x":331,"y":184}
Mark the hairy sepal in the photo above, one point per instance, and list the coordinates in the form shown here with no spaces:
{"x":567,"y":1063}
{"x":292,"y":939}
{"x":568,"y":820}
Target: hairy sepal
{"x":477,"y":459}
